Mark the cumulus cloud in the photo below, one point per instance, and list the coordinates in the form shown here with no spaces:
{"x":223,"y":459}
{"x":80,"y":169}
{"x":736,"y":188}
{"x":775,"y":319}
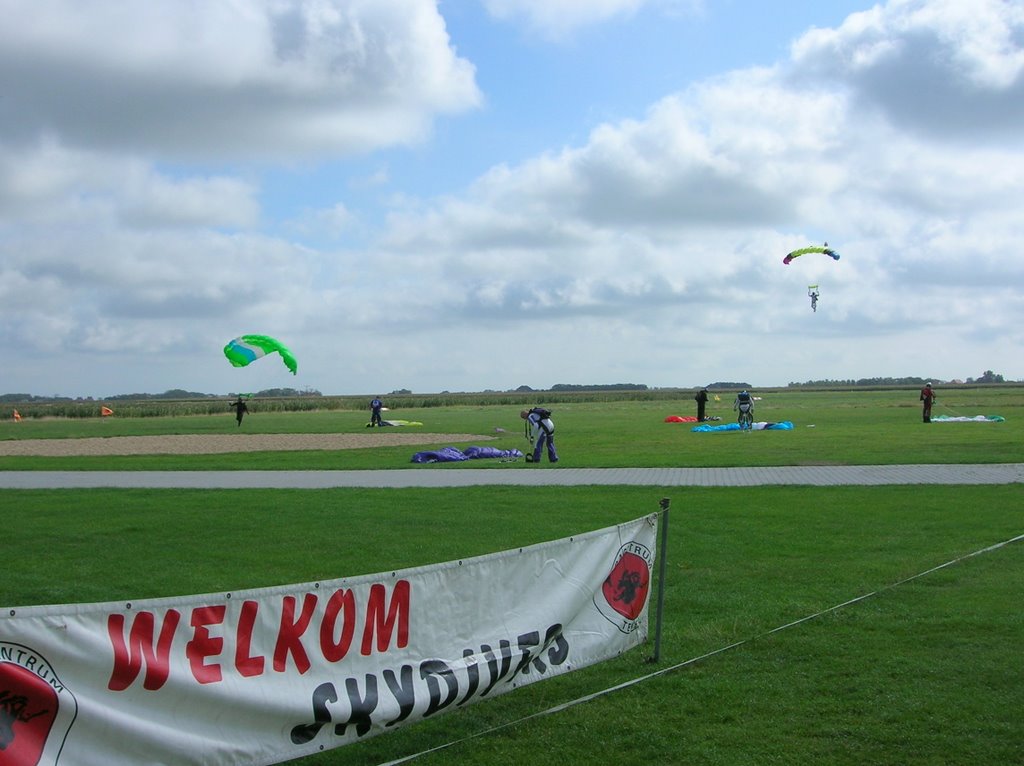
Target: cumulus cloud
{"x":277,"y":80}
{"x":947,"y":68}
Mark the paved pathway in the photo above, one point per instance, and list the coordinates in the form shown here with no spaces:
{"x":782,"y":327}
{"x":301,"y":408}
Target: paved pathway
{"x":819,"y":476}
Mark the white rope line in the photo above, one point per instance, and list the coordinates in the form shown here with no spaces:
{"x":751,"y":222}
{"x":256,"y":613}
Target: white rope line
{"x":694,"y":660}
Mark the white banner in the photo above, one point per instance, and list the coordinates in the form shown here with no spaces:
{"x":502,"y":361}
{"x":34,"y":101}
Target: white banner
{"x":263,"y":676}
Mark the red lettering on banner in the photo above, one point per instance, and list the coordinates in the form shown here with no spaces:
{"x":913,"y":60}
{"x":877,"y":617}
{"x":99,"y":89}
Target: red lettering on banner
{"x":331,"y":626}
{"x":248,"y":665}
{"x":129,"y":655}
{"x":290,"y":635}
{"x":343,"y":604}
{"x":377,"y":622}
{"x":204,"y":645}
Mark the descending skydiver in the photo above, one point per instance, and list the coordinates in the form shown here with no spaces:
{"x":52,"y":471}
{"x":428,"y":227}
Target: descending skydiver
{"x":812,"y":291}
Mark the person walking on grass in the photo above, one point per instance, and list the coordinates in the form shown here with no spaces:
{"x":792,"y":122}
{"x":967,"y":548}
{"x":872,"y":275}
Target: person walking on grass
{"x":240,"y":409}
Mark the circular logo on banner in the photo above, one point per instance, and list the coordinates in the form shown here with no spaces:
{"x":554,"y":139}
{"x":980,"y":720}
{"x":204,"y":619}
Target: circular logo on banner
{"x":36,"y":709}
{"x":626,"y":587}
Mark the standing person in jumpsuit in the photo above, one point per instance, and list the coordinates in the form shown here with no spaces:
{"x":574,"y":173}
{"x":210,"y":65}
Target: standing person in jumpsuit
{"x":927,"y":397}
{"x":702,"y":403}
{"x":540,"y":429}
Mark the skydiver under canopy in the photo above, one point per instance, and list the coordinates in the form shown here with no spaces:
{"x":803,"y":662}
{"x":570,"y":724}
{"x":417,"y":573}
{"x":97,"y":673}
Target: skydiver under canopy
{"x":812,"y":291}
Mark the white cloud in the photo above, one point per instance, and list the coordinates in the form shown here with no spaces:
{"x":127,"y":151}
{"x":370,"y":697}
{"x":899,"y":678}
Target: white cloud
{"x":241,"y":78}
{"x":949,"y":68}
{"x":49,"y":183}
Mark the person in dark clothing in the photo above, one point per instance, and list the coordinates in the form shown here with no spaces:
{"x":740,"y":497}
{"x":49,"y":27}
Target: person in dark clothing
{"x":375,"y":407}
{"x":927,"y":397}
{"x":702,"y":401}
{"x":240,"y":409}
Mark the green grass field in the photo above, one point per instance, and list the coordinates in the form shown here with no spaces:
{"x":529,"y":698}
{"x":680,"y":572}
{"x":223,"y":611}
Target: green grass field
{"x":841,"y":428}
{"x":926,"y":672}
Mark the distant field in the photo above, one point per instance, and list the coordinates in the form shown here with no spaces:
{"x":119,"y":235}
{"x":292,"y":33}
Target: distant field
{"x":927,"y":672}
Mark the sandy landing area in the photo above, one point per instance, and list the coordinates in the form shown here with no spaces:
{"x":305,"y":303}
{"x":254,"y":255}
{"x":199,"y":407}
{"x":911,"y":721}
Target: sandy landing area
{"x":209,"y":444}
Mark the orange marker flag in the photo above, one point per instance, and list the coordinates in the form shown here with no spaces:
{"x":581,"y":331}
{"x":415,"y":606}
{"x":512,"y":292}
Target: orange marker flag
{"x":17,"y":416}
{"x":105,"y":411}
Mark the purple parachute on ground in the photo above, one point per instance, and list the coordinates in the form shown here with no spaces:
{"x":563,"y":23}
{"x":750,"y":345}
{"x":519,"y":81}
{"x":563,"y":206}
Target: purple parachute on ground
{"x":454,"y":455}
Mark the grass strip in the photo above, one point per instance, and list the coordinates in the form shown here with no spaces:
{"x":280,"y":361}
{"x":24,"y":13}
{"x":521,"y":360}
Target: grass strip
{"x":927,"y":673}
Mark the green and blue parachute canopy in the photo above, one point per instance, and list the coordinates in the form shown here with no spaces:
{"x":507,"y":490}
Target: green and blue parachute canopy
{"x":246,"y":349}
{"x":826,"y":250}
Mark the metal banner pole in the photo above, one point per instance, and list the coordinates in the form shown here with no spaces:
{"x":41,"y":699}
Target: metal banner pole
{"x":662,"y":553}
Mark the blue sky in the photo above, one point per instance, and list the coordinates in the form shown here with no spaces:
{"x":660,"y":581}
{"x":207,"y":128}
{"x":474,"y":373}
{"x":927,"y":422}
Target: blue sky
{"x":484,"y":194}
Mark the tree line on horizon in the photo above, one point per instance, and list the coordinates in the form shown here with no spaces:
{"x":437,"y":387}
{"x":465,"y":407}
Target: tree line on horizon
{"x":986,"y":377}
{"x":290,"y":393}
{"x":173,"y":394}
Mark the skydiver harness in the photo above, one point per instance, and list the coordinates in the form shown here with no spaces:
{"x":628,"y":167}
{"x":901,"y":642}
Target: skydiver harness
{"x":543,"y":421}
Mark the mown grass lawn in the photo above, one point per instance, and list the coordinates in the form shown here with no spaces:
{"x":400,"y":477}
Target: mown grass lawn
{"x":925,"y":671}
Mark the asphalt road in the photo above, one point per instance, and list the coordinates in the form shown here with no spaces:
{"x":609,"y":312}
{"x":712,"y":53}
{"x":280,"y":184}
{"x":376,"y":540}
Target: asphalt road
{"x":536,"y":476}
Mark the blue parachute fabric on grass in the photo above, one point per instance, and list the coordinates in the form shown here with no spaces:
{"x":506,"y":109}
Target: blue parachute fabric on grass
{"x":454,"y":455}
{"x":965,"y":419}
{"x":704,"y":428}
